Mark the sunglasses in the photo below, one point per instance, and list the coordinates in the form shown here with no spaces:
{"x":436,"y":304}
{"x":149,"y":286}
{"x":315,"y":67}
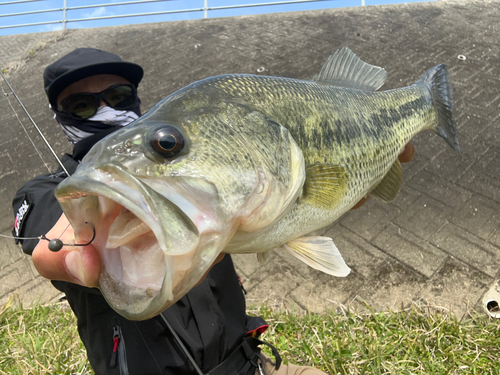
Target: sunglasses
{"x":84,"y":105}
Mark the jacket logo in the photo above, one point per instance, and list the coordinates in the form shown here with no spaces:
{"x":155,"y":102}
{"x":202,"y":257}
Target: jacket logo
{"x":22,"y":213}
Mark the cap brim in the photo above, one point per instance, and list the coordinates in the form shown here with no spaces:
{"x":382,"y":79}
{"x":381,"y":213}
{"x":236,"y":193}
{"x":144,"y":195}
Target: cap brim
{"x":130,"y":71}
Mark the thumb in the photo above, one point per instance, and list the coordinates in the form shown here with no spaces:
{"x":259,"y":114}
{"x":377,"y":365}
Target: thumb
{"x":84,"y":265}
{"x":78,"y":265}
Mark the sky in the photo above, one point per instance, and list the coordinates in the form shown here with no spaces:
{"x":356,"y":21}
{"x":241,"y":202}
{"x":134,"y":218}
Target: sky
{"x":101,"y":9}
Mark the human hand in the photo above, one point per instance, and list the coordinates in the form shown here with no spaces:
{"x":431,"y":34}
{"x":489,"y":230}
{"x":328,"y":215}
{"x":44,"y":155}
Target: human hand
{"x":404,"y":157}
{"x":76,"y":264}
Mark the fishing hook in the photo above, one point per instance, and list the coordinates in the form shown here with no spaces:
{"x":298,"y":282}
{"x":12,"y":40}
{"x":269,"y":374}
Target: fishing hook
{"x":34,"y":124}
{"x":55,"y":244}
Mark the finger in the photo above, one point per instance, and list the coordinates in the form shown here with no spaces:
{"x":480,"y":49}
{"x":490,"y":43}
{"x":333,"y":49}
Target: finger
{"x":360,"y":203}
{"x":79,"y":265}
{"x":74,"y":266}
{"x":407,"y":154}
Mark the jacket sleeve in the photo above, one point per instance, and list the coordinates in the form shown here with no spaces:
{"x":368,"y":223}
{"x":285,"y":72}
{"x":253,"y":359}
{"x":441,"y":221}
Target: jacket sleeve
{"x":36,"y":210}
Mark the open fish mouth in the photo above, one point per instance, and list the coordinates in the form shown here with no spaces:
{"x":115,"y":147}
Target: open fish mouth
{"x":134,"y":265}
{"x":142,"y":260}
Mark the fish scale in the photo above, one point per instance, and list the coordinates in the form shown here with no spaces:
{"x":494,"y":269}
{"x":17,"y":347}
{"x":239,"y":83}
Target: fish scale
{"x":343,"y":137}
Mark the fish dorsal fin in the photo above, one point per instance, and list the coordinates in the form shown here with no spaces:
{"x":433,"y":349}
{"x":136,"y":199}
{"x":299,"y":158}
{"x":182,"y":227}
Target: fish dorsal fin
{"x":325,"y":184}
{"x":388,"y":189}
{"x":345,"y":69}
{"x":320,"y":253}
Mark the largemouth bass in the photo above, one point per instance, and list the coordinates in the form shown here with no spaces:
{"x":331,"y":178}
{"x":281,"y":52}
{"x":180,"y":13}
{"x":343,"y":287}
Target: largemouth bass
{"x":244,"y":164}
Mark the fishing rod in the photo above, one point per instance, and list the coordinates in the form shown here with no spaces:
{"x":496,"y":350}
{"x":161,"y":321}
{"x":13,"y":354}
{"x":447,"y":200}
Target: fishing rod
{"x":34,"y":123}
{"x":54,"y":244}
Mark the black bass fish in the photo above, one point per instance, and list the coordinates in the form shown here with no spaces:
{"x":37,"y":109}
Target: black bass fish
{"x":244,"y":164}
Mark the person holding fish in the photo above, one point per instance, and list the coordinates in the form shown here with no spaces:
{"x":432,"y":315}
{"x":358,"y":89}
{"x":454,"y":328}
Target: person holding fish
{"x":93,"y":94}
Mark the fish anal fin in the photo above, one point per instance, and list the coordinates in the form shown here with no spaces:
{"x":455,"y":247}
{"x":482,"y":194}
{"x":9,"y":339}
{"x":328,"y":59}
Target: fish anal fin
{"x":319,"y":253}
{"x":387,"y":190}
{"x":325,"y":185}
{"x":263,"y":257}
{"x":343,"y":68}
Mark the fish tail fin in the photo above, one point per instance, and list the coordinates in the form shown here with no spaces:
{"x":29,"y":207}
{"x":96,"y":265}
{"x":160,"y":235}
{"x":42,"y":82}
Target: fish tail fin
{"x":436,"y":79}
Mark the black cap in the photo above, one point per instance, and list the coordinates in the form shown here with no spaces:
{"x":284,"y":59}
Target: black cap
{"x":83,"y":63}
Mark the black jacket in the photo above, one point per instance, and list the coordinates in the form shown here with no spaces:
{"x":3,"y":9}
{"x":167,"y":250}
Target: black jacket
{"x":210,"y":320}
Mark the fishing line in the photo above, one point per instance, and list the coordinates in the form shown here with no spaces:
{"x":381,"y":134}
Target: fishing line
{"x":34,"y":124}
{"x":55,"y":244}
{"x":182,"y":346}
{"x":24,"y":128}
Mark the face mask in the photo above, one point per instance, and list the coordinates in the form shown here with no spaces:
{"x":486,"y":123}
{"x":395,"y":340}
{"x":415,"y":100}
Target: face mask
{"x":76,"y":130}
{"x":110,"y":116}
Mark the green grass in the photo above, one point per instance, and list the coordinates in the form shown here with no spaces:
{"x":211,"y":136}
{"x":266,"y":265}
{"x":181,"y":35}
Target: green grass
{"x":40,"y":340}
{"x":419,"y":340}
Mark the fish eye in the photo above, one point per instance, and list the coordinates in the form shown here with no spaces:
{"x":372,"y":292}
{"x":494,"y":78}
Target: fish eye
{"x":167,"y":141}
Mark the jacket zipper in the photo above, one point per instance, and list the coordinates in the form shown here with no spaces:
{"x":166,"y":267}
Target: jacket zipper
{"x":119,"y":353}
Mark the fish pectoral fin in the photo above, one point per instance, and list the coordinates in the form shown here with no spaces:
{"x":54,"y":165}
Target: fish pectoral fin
{"x":263,"y":257}
{"x":325,"y":185}
{"x":343,"y":68}
{"x":387,"y":190}
{"x":319,"y":253}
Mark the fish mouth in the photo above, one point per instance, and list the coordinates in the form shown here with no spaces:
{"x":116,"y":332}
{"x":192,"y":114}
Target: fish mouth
{"x":134,"y":265}
{"x":142,"y":260}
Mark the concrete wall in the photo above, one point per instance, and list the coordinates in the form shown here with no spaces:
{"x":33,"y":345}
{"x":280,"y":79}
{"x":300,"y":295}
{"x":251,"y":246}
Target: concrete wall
{"x":439,"y":240}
